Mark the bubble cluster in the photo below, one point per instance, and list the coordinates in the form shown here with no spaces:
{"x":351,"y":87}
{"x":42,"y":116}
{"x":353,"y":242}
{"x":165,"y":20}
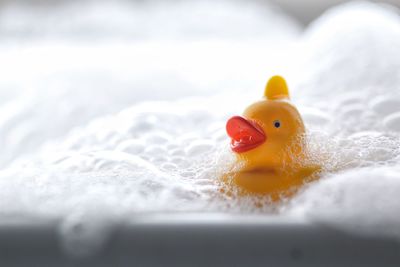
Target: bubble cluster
{"x":352,"y":82}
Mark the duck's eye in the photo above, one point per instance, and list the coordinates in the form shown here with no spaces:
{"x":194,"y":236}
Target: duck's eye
{"x":277,"y":124}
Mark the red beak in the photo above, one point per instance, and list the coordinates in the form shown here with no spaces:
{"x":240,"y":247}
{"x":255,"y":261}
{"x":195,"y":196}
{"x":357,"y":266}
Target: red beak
{"x":245,"y":134}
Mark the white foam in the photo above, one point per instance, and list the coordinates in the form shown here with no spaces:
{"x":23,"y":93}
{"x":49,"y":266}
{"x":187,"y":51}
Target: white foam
{"x":354,"y":76}
{"x":362,"y":201}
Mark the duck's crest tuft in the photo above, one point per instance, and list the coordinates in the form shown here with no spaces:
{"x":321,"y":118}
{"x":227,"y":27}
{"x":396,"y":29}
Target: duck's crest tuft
{"x":276,"y":88}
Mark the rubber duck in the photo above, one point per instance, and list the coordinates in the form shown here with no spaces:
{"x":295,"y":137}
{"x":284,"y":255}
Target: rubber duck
{"x":269,"y":145}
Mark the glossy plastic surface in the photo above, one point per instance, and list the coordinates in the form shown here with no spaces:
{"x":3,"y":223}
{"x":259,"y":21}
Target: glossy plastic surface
{"x":245,"y":134}
{"x":271,"y":154}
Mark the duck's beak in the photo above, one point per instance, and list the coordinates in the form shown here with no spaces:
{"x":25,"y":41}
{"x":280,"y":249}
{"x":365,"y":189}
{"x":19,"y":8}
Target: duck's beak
{"x":245,"y":134}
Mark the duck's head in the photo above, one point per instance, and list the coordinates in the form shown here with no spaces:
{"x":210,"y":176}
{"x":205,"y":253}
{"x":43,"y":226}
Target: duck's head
{"x":266,"y":137}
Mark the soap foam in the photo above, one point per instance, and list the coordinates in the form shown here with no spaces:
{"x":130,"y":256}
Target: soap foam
{"x":361,"y":201}
{"x":353,"y":76}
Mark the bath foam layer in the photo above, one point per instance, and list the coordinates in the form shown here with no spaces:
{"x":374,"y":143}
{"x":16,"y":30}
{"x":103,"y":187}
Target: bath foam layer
{"x":161,"y":156}
{"x":353,"y":83}
{"x":363,"y":201}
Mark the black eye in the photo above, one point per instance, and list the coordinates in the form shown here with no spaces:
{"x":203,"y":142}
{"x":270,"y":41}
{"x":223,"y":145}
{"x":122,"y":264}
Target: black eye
{"x":277,"y":124}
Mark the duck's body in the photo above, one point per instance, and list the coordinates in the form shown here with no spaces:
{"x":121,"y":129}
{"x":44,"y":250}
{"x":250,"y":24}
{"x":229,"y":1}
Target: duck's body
{"x":268,"y":141}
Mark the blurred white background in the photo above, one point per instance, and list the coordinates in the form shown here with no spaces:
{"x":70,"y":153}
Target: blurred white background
{"x":307,"y":10}
{"x":303,"y":10}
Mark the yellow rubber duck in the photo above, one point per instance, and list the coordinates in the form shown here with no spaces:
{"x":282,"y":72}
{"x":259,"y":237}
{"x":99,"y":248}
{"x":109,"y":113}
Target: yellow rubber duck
{"x":268,"y":141}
